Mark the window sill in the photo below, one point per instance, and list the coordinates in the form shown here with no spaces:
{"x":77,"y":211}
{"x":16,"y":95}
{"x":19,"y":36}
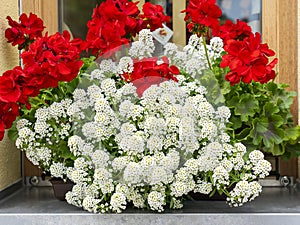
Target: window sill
{"x":37,"y":205}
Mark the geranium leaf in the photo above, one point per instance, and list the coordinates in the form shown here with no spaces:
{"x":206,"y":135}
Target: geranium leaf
{"x":247,"y":106}
{"x":293,"y":148}
{"x":270,"y":109}
{"x":276,"y":150}
{"x":266,"y":132}
{"x":214,"y":95}
{"x":236,"y":122}
{"x":243,"y":135}
{"x":292,"y":133}
{"x":13,"y":132}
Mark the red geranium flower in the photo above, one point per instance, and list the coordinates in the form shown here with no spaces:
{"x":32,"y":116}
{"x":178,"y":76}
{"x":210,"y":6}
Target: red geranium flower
{"x":107,"y":28}
{"x":32,"y":25}
{"x":17,"y":85}
{"x":153,"y":17}
{"x":54,"y":56}
{"x":132,"y":12}
{"x":203,"y":13}
{"x":148,"y":71}
{"x":29,"y":28}
{"x":230,"y":30}
{"x":247,"y":60}
{"x":10,"y":91}
{"x":8,"y":113}
{"x":115,"y":22}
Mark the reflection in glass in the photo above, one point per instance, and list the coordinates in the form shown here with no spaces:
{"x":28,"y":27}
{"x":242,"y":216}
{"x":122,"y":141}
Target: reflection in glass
{"x":245,"y":10}
{"x":75,"y":14}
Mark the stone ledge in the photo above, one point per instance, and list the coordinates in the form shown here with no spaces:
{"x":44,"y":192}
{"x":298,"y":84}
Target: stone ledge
{"x":150,"y":219}
{"x":37,"y":206}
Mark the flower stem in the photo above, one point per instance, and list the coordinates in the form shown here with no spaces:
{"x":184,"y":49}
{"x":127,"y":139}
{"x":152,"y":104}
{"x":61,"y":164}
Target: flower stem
{"x":206,"y":52}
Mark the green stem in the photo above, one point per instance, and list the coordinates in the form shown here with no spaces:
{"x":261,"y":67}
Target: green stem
{"x":206,"y":52}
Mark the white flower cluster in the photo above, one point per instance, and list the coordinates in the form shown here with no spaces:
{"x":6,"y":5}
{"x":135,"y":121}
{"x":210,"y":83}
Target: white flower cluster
{"x":243,"y":192}
{"x":149,"y":151}
{"x":42,"y":139}
{"x":144,"y":47}
{"x":260,"y":166}
{"x":155,"y":141}
{"x":193,"y":57}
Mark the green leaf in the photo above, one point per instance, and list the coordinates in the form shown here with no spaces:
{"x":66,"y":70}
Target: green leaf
{"x":214,"y":94}
{"x":292,"y":133}
{"x":236,"y":121}
{"x":270,"y":109}
{"x":266,"y":132}
{"x":13,"y":132}
{"x":276,"y":150}
{"x":246,"y":107}
{"x":293,"y":148}
{"x":213,"y":192}
{"x":243,"y":135}
{"x":271,"y":86}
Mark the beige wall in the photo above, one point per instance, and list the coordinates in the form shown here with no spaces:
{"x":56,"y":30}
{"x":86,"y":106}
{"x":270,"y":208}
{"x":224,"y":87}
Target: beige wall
{"x":298,"y":78}
{"x":10,"y":171}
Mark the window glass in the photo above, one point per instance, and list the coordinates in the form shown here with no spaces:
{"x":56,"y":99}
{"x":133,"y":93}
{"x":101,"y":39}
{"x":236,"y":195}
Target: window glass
{"x":75,"y":14}
{"x":245,"y":10}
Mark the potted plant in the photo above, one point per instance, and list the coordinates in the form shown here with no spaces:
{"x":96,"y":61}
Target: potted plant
{"x":132,"y":127}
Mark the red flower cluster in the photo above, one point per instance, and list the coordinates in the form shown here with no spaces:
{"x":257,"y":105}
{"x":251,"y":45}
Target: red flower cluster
{"x":153,"y":17}
{"x":23,"y":33}
{"x":248,"y":60}
{"x":202,"y":14}
{"x":8,"y":113}
{"x":246,"y":57}
{"x":147,"y":72}
{"x":230,"y":30}
{"x":52,"y":59}
{"x":114,"y":22}
{"x":47,"y":61}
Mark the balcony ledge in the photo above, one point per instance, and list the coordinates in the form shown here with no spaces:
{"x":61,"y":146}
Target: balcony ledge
{"x":37,"y":205}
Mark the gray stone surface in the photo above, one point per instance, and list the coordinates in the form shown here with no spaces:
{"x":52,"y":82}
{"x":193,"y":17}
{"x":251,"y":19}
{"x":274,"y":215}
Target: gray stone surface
{"x":37,"y":206}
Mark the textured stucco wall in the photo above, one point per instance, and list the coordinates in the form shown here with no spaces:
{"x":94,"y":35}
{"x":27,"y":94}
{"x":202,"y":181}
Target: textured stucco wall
{"x":10,"y":171}
{"x":299,"y":63}
{"x":298,"y":77}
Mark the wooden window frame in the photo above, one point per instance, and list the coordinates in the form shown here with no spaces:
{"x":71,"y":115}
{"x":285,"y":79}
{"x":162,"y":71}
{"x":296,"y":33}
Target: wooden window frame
{"x":48,"y":11}
{"x":280,"y":31}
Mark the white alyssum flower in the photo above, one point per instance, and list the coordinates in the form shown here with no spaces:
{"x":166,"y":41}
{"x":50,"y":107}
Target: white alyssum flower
{"x":97,"y":74}
{"x":144,"y":47}
{"x":133,"y":173}
{"x":170,"y":49}
{"x":108,"y":86}
{"x":262,"y":168}
{"x":90,"y":204}
{"x":108,"y":66}
{"x":58,"y":170}
{"x":125,"y":65}
{"x":156,"y":201}
{"x":203,"y":187}
{"x":75,"y":144}
{"x":220,"y":176}
{"x":244,"y":191}
{"x":118,"y":202}
{"x":216,"y":44}
{"x":255,"y":156}
{"x":22,"y":123}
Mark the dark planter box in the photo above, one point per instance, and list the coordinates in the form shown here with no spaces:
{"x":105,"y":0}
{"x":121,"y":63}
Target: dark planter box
{"x":60,"y":188}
